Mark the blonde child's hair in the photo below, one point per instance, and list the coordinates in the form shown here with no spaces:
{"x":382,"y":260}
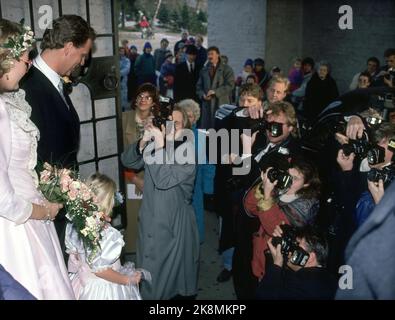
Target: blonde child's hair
{"x":104,"y":188}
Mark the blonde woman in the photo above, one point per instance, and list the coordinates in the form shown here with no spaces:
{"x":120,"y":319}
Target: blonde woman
{"x":29,"y":246}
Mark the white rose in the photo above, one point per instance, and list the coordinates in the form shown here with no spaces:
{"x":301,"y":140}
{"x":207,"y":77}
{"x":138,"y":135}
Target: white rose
{"x":85,"y":232}
{"x":90,"y":222}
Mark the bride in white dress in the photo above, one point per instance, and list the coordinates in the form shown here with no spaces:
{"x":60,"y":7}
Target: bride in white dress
{"x":29,"y":246}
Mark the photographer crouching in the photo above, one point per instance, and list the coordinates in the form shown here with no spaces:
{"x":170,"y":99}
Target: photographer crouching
{"x":298,"y":270}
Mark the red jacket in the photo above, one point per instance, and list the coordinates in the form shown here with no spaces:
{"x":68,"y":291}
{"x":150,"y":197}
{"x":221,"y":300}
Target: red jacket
{"x":269,"y":220}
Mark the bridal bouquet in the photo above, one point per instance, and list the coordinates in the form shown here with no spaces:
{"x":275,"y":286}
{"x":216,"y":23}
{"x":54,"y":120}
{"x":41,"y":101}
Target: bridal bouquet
{"x":64,"y":186}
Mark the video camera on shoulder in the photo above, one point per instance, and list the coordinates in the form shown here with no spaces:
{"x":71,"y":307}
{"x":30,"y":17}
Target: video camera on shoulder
{"x":163,"y":111}
{"x":289,"y":245}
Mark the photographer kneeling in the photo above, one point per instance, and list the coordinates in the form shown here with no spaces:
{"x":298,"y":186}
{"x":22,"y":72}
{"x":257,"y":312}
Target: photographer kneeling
{"x":282,"y":196}
{"x":298,"y":269}
{"x":168,"y":238}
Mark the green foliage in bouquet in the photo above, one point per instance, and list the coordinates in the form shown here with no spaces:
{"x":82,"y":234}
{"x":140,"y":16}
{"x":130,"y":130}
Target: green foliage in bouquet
{"x":65,"y":186}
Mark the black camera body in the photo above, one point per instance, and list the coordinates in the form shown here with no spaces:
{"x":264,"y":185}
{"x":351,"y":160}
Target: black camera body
{"x":163,"y":112}
{"x":284,"y":180}
{"x":359,"y":146}
{"x":289,"y":245}
{"x":391,"y":75}
{"x":376,"y":155}
{"x":275,"y":129}
{"x":387,"y":174}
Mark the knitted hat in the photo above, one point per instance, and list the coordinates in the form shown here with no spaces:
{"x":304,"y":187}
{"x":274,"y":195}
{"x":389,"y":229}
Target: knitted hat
{"x":249,"y":62}
{"x":147,"y":45}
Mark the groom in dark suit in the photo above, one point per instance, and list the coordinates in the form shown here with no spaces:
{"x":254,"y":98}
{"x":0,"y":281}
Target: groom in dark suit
{"x":186,"y":76}
{"x":64,"y":47}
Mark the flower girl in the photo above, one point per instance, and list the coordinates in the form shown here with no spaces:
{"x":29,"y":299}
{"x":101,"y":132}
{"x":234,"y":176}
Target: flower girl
{"x":103,"y":277}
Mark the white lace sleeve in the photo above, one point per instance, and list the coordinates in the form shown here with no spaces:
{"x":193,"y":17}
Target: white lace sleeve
{"x":12,"y":206}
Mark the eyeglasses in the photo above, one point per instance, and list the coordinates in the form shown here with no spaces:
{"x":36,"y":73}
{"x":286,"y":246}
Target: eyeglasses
{"x":28,"y":63}
{"x":142,"y":97}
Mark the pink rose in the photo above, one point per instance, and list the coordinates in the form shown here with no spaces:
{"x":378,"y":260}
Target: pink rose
{"x":75,"y":186}
{"x":45,"y":176}
{"x":86,"y":195}
{"x":47,"y":166}
{"x":72,"y":194}
{"x":65,"y":181}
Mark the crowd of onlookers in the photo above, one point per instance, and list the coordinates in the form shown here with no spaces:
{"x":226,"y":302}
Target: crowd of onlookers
{"x":331,"y":190}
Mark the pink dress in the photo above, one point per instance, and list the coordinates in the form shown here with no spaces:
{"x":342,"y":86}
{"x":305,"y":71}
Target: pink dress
{"x":29,"y":249}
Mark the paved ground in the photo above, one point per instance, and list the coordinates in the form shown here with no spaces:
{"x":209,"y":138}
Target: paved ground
{"x":210,"y":265}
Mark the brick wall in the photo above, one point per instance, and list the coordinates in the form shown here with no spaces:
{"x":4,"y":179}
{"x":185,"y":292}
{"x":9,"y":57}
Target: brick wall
{"x":237,"y":28}
{"x":348,"y":50}
{"x":291,"y":28}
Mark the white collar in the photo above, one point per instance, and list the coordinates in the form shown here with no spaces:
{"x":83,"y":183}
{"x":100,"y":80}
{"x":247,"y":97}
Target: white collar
{"x":288,"y":198}
{"x":52,"y":76}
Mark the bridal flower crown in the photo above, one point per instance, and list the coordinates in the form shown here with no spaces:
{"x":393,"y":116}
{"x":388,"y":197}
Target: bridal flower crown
{"x":19,"y":43}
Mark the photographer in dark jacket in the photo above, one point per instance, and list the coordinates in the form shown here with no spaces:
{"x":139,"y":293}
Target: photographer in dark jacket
{"x":306,"y":278}
{"x":354,"y":194}
{"x":227,"y":202}
{"x":266,"y":150}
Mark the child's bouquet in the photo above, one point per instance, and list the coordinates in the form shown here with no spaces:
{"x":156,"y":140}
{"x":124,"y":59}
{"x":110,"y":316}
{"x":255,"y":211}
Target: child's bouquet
{"x":64,"y":186}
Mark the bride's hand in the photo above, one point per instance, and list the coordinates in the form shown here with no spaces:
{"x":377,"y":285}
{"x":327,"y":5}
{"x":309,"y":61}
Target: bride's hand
{"x":45,"y":211}
{"x":53,"y":209}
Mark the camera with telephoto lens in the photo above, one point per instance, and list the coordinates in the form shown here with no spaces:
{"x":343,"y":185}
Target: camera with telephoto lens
{"x":284,"y":180}
{"x":163,"y":112}
{"x":289,"y":245}
{"x":387,"y":174}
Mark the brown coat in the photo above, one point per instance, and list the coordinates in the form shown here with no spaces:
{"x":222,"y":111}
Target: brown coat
{"x":132,"y":206}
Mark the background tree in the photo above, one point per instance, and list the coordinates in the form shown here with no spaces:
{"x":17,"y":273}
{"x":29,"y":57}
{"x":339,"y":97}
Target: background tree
{"x":164,"y":15}
{"x":184,"y":16}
